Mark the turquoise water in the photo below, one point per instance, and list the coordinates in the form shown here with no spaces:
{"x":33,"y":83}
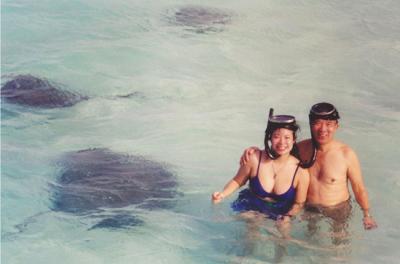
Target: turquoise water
{"x":199,"y":98}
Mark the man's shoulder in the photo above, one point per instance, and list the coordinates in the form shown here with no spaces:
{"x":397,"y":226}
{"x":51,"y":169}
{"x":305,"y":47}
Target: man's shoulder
{"x":347,"y":151}
{"x":303,"y":172}
{"x":344,"y":147}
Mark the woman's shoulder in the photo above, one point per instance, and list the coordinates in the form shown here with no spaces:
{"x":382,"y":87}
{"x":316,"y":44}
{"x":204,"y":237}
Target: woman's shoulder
{"x":303,"y":173}
{"x":294,"y":160}
{"x":303,"y":170}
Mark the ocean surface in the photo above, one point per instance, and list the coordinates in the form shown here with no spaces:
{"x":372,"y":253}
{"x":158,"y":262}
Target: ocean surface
{"x":189,"y":84}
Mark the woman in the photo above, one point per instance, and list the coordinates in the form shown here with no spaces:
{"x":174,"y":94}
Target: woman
{"x":277,"y":184}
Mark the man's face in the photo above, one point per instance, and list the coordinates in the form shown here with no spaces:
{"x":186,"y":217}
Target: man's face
{"x":324,"y":130}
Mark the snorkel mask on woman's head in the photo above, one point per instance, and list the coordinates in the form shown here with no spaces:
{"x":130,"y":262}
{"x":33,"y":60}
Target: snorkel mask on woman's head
{"x":275,"y":122}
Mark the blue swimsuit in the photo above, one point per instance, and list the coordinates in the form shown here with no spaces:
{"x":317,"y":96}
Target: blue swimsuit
{"x":252,"y":198}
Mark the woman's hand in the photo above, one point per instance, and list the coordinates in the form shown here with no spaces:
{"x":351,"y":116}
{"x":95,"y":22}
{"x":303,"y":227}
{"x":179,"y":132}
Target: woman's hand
{"x":217,"y":197}
{"x":283,"y":224}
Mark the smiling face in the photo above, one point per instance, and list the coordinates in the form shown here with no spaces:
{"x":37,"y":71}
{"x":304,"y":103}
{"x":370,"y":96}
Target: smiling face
{"x":282,"y":140}
{"x":323,"y":131}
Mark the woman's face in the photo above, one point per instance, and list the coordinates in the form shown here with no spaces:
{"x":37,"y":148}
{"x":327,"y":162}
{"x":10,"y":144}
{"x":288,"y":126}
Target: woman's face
{"x":282,"y":141}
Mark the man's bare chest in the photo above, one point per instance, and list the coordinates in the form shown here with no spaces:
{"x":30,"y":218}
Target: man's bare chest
{"x":329,"y":169}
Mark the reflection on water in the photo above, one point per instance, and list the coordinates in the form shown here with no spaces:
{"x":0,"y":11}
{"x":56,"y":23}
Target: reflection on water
{"x":338,"y":218}
{"x":260,"y":239}
{"x":171,"y":93}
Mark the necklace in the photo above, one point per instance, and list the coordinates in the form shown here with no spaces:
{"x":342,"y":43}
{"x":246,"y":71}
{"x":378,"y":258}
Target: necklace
{"x":280,"y":168}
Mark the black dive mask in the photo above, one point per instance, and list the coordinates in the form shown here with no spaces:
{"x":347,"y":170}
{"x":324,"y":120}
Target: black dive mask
{"x":275,"y":122}
{"x":325,"y":111}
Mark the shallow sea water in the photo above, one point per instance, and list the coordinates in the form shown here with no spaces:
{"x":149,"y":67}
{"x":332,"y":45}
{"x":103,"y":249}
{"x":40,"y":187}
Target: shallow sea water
{"x":197,"y":97}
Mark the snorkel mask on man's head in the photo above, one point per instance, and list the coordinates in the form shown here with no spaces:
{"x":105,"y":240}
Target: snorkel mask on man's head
{"x":324,"y":111}
{"x":275,"y":122}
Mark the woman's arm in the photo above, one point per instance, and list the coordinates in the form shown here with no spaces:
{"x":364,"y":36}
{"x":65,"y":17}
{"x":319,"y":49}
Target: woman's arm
{"x":239,"y":180}
{"x":303,"y":180}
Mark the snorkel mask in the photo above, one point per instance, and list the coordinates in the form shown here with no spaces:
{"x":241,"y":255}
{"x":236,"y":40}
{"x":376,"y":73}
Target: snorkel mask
{"x":275,"y":122}
{"x":325,"y":111}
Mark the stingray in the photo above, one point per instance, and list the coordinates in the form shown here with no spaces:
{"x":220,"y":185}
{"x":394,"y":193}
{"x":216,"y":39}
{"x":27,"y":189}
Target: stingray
{"x":200,"y":18}
{"x":28,"y":90}
{"x":105,"y":185}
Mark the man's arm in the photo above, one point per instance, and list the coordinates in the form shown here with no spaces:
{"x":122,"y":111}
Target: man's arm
{"x":357,"y":184}
{"x":245,"y":158}
{"x":305,"y":150}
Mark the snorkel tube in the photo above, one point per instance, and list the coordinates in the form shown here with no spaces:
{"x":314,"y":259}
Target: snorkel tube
{"x":325,"y":111}
{"x":275,"y":122}
{"x":271,"y":154}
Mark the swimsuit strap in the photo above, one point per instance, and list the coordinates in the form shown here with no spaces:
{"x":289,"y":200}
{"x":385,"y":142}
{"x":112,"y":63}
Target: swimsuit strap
{"x":259,"y":162}
{"x":294,"y":175}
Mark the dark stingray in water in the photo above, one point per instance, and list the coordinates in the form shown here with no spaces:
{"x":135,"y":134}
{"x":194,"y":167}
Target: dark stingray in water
{"x":201,"y":18}
{"x":31,"y":91}
{"x":94,"y":180}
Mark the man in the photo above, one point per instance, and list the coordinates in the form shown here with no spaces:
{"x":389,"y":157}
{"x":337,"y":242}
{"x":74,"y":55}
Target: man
{"x":331,"y":165}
